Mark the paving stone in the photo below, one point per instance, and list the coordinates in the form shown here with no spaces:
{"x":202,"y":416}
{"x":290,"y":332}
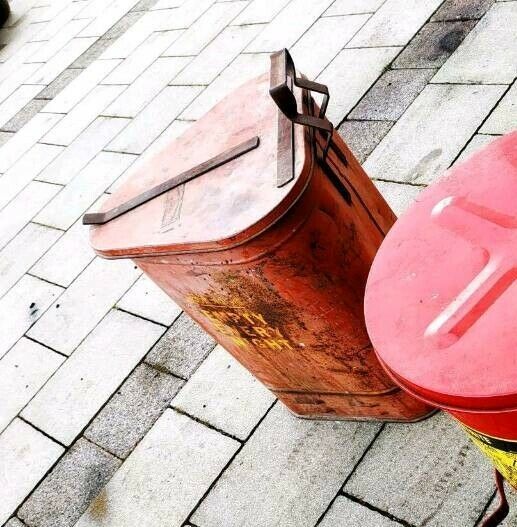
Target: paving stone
{"x":217,"y":55}
{"x":363,"y":136}
{"x":15,"y":102}
{"x":19,"y":120}
{"x":72,"y":397}
{"x":23,"y":251}
{"x":25,"y":170}
{"x":122,"y":25}
{"x":260,"y":12}
{"x":367,"y":64}
{"x":346,"y":513}
{"x":142,"y":57}
{"x":82,"y":115}
{"x":154,"y":119}
{"x":53,"y":45}
{"x":352,"y":7}
{"x":504,"y":118}
{"x":488,"y":53}
{"x":67,"y":491}
{"x":223,"y":393}
{"x":289,"y":25}
{"x":23,"y":371}
{"x":395,"y":23}
{"x":76,"y":90}
{"x":106,"y":15}
{"x":59,"y":83}
{"x":462,"y":9}
{"x":91,"y":54}
{"x":4,"y":137}
{"x":133,"y":410}
{"x":22,"y":306}
{"x":82,"y":150}
{"x":13,"y":80}
{"x":15,"y":215}
{"x":84,"y":189}
{"x":147,"y":300}
{"x":433,"y":44}
{"x":144,"y":5}
{"x":389,"y":97}
{"x":285,"y":460}
{"x":165,"y":476}
{"x":14,"y":522}
{"x":181,"y":349}
{"x":67,"y":258}
{"x":25,"y":139}
{"x":398,"y":196}
{"x":26,"y":456}
{"x":205,"y":29}
{"x":146,"y":87}
{"x":58,"y":20}
{"x":426,"y":473}
{"x":432,"y":131}
{"x":84,"y":304}
{"x":60,"y":61}
{"x":243,"y":68}
{"x":476,"y":143}
{"x":311,"y":56}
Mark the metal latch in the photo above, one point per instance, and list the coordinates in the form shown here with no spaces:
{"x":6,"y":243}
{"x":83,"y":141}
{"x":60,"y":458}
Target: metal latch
{"x":282,"y":79}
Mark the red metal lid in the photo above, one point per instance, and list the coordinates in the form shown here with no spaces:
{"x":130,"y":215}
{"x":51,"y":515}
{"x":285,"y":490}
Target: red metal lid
{"x":225,"y":205}
{"x":441,"y":297}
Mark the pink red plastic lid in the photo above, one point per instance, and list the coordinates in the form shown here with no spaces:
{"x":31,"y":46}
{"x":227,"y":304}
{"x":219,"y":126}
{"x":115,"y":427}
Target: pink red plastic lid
{"x":441,"y":298}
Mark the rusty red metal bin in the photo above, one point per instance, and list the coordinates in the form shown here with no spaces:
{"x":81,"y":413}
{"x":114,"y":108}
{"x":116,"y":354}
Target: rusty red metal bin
{"x":266,"y":244}
{"x":441,"y":299}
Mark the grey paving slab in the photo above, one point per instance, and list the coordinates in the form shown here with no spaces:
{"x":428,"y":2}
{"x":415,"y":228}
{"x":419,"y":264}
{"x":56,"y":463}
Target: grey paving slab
{"x":217,"y":55}
{"x":323,"y":41}
{"x":351,"y":7}
{"x":427,"y":473}
{"x":433,"y":44}
{"x":25,"y":114}
{"x":68,"y":489}
{"x":504,"y":118}
{"x":488,"y":54}
{"x":389,"y":97}
{"x":147,"y":300}
{"x":92,"y":53}
{"x":26,"y":456}
{"x":289,"y":25}
{"x":22,"y":306}
{"x":346,"y":513}
{"x":346,"y":89}
{"x":432,"y":131}
{"x":223,"y":393}
{"x":181,"y":349}
{"x":62,"y":80}
{"x":133,"y":410}
{"x":164,"y":477}
{"x":23,"y":371}
{"x":16,"y":101}
{"x":363,"y":136}
{"x":4,"y":137}
{"x":260,"y":12}
{"x":14,"y":522}
{"x":398,"y":196}
{"x":476,"y":143}
{"x":395,"y":23}
{"x":462,"y":9}
{"x":123,"y":24}
{"x":76,"y":392}
{"x":82,"y":150}
{"x":286,"y":474}
{"x":25,"y":139}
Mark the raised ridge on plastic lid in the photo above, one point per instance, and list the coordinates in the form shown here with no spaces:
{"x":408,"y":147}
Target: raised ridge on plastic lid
{"x":441,"y":296}
{"x":231,"y":202}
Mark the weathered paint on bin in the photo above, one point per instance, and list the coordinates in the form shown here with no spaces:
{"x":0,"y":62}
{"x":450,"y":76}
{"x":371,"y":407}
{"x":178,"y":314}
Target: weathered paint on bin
{"x":441,"y":299}
{"x":274,"y":272}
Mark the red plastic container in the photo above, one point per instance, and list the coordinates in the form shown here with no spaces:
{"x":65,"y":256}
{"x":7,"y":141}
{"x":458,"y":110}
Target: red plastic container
{"x":441,"y":299}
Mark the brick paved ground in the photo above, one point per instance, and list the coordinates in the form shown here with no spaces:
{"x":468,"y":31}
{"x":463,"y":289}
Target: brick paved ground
{"x":115,"y":409}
